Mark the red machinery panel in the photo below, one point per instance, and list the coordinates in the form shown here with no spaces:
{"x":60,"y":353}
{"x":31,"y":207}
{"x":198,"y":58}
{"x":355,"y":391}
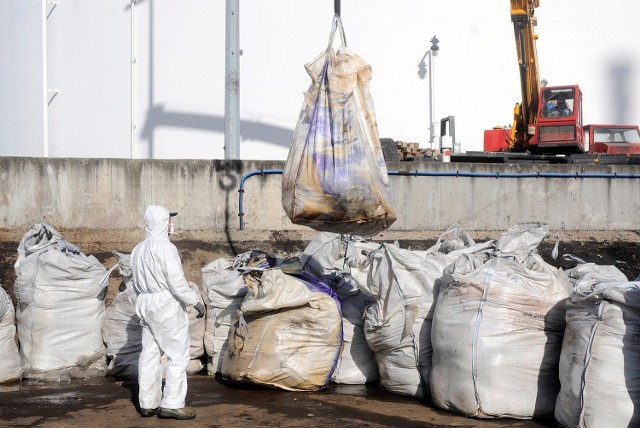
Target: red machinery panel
{"x":497,"y":140}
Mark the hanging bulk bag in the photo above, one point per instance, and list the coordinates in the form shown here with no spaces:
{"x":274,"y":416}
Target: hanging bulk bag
{"x":335,"y":177}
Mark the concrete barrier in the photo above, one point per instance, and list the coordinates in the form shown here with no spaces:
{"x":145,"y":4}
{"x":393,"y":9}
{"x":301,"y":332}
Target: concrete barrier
{"x":113,"y":193}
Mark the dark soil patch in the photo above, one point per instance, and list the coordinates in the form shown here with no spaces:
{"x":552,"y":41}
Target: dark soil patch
{"x":197,"y":250}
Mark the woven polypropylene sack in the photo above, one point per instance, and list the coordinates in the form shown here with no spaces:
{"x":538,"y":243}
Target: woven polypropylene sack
{"x":121,"y":328}
{"x":287,"y":333}
{"x":600,"y":358}
{"x":497,"y":330}
{"x":333,"y":259}
{"x":11,"y":367}
{"x":335,"y":178}
{"x":60,"y":295}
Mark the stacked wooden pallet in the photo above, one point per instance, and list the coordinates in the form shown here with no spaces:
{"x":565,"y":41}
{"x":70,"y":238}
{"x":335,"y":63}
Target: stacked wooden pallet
{"x":407,"y":150}
{"x":412,"y":151}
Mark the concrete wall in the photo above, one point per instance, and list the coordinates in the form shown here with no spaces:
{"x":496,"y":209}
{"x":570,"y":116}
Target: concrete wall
{"x":113,"y":193}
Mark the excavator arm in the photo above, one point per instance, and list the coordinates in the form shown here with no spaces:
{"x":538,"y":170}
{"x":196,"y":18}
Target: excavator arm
{"x":525,"y":113}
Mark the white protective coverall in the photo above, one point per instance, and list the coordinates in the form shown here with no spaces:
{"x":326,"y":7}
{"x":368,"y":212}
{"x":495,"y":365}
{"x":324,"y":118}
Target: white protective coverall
{"x":163,"y":294}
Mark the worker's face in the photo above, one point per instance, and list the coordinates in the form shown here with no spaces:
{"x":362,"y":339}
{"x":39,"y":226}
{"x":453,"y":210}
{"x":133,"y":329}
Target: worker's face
{"x":170,"y":228}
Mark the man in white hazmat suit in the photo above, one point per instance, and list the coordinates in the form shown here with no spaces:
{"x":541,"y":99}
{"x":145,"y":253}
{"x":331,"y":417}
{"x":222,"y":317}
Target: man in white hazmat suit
{"x":163,"y":294}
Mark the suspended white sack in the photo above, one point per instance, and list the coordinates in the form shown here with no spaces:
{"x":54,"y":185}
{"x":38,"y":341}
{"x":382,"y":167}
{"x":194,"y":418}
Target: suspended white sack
{"x":11,"y":367}
{"x":287,"y":334}
{"x":600,"y":360}
{"x":497,"y":330}
{"x":335,"y":178}
{"x":59,"y":307}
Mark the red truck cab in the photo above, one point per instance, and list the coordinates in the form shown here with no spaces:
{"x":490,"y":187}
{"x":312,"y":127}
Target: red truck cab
{"x":557,"y":128}
{"x":559,"y":120}
{"x":612,"y":139}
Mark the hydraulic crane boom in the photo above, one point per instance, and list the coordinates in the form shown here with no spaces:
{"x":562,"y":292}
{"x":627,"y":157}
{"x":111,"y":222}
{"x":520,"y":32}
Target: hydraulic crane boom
{"x":525,"y":113}
{"x":548,"y":120}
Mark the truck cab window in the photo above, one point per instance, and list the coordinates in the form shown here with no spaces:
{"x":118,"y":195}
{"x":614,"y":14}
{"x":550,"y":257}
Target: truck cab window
{"x":558,"y":103}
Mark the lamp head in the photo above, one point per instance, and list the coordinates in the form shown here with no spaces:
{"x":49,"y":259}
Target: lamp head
{"x":434,"y":46}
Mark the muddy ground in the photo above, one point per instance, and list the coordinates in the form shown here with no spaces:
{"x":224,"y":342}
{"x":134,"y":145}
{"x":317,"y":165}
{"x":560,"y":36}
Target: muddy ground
{"x":110,"y":402}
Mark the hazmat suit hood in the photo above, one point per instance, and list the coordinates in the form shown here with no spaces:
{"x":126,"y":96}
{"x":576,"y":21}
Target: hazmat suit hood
{"x":156,"y":219}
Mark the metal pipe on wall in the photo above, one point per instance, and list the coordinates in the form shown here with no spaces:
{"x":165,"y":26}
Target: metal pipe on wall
{"x":417,"y":173}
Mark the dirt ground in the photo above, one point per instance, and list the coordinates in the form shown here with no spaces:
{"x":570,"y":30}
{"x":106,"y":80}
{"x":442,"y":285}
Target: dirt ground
{"x":109,"y":402}
{"x":199,"y":248}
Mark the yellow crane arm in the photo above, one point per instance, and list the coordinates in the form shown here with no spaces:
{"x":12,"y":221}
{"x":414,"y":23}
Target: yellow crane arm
{"x":525,"y":113}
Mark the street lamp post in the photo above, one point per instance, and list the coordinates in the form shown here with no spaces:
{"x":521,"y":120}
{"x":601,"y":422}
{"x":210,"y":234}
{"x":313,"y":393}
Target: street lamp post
{"x":432,"y":53}
{"x":232,"y":81}
{"x":423,"y":69}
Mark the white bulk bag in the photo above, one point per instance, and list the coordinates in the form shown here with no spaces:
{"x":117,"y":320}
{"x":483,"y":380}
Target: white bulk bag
{"x":396,"y":326}
{"x":497,"y":330}
{"x":286,"y":335}
{"x":59,"y":307}
{"x":334,"y":258}
{"x":600,"y":360}
{"x":121,"y":328}
{"x":196,"y":334}
{"x":328,"y":256}
{"x":11,"y":367}
{"x":222,"y":290}
{"x":357,"y":364}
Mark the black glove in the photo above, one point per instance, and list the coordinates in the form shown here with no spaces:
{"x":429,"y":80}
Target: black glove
{"x":200,"y":308}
